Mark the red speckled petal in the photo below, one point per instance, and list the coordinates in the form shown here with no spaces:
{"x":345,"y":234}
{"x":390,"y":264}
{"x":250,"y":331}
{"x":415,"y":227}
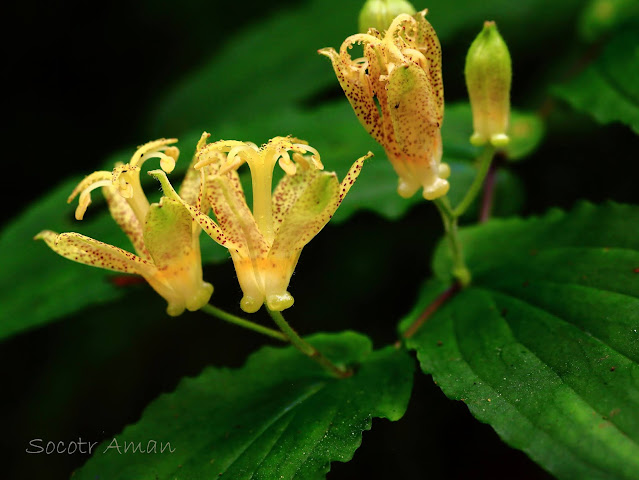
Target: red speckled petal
{"x":124,"y":216}
{"x":82,"y":249}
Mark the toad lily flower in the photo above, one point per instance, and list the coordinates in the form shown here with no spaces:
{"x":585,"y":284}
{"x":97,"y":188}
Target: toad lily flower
{"x":165,"y":237}
{"x":265,"y":244}
{"x":400,"y":74}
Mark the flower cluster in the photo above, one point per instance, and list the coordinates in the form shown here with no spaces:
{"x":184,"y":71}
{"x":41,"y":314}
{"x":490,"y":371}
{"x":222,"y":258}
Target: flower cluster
{"x":264,"y":243}
{"x":397,"y":93}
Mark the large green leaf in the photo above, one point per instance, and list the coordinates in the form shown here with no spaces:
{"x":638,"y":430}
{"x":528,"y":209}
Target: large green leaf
{"x":280,"y":416}
{"x":608,"y":89}
{"x":544,"y":345}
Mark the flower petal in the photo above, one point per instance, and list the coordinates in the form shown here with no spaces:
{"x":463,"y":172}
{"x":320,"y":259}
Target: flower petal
{"x":190,"y":188}
{"x":176,"y":254}
{"x":82,"y":249}
{"x":308,"y":200}
{"x":357,"y":87}
{"x":124,"y":216}
{"x":428,"y":44}
{"x":167,"y":232}
{"x":413,"y":108}
{"x":207,"y":224}
{"x":227,"y":200}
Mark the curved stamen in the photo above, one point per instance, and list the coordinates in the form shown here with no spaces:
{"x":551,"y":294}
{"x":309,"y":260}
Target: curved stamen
{"x":85,"y":197}
{"x":417,"y":57}
{"x":167,"y":160}
{"x":358,"y":38}
{"x":398,"y":26}
{"x":211,"y":153}
{"x":124,"y":178}
{"x":87,"y":181}
{"x":84,"y":188}
{"x":287,"y":164}
{"x":238,"y":155}
{"x":315,"y":156}
{"x":150,"y":147}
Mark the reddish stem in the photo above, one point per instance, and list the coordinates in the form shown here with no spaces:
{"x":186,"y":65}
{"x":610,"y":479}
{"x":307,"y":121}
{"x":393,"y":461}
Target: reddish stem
{"x":432,"y":308}
{"x":486,"y":208}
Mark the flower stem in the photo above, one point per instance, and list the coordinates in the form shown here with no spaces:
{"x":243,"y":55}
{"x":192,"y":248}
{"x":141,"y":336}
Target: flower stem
{"x":460,"y":270}
{"x":484,"y":160}
{"x":486,"y":208}
{"x":306,"y":348}
{"x":432,"y":308}
{"x":229,"y":317}
{"x":450,"y":216}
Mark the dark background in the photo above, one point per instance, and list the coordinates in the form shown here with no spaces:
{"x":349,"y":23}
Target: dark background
{"x":82,"y":81}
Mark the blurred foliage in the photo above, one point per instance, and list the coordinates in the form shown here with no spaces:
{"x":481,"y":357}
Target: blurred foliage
{"x":601,"y":17}
{"x":608,"y":89}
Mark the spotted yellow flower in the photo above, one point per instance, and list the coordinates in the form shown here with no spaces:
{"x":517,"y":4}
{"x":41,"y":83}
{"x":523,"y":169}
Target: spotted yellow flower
{"x":164,"y":236}
{"x":397,"y":93}
{"x":266,"y":243}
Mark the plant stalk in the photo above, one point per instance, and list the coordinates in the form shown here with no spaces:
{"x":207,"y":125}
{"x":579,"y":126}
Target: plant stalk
{"x":306,"y":348}
{"x":485,"y":159}
{"x":431,"y":308}
{"x":229,"y":317}
{"x":460,"y":270}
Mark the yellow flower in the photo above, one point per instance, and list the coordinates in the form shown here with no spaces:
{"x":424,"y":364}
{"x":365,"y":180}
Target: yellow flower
{"x":266,"y":243}
{"x":397,"y":93}
{"x":165,"y":237}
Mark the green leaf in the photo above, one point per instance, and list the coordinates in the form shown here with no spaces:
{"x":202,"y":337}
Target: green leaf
{"x":544,"y":345}
{"x":608,"y":89}
{"x":280,"y":416}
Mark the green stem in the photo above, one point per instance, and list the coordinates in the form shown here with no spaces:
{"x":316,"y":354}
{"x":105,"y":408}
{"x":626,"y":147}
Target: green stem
{"x":460,"y":270}
{"x":484,"y":160}
{"x":229,"y":317}
{"x":451,"y":216}
{"x":306,"y":348}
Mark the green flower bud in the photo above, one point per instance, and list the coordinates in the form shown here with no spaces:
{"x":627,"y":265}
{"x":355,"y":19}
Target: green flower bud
{"x":379,"y":14}
{"x":488,"y":75}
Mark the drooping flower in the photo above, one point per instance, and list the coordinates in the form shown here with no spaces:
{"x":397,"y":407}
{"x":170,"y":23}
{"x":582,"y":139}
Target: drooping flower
{"x":164,"y":236}
{"x":265,"y":243}
{"x":397,"y":93}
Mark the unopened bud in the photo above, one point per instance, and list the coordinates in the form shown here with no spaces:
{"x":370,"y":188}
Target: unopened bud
{"x":488,"y":75}
{"x":379,"y":14}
